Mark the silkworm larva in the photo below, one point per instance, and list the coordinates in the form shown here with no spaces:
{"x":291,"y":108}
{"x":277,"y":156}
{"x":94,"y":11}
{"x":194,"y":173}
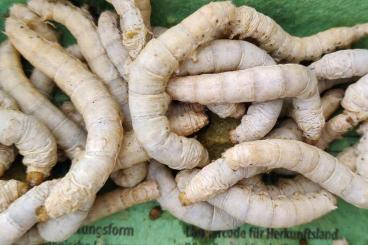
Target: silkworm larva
{"x":68,"y":135}
{"x":43,"y":83}
{"x":132,"y":152}
{"x":257,"y":84}
{"x":10,"y":190}
{"x":230,"y":55}
{"x":202,"y":214}
{"x":7,"y":153}
{"x":120,"y":199}
{"x":144,"y":7}
{"x":80,"y":23}
{"x":331,"y":101}
{"x":33,"y":140}
{"x":108,"y":30}
{"x":248,"y":23}
{"x":355,"y":111}
{"x":131,"y":176}
{"x":21,"y":214}
{"x":341,"y":64}
{"x":104,"y":206}
{"x":265,"y":205}
{"x":134,"y":30}
{"x":76,"y":191}
{"x":281,"y":212}
{"x":184,"y":120}
{"x":312,"y":162}
{"x":153,"y":67}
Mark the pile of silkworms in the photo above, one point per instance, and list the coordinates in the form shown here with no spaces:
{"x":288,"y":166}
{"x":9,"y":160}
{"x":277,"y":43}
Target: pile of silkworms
{"x":138,"y":95}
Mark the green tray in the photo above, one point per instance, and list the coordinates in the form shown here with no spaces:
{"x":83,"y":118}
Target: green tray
{"x":133,"y":226}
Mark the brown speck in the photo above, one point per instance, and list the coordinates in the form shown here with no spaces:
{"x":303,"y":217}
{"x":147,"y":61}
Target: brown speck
{"x":303,"y":242}
{"x":349,"y":120}
{"x":155,"y":213}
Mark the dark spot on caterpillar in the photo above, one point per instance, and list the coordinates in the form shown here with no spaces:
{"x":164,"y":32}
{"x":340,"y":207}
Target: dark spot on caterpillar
{"x":349,"y":120}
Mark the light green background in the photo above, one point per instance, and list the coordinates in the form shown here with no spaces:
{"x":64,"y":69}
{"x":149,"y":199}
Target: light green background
{"x":297,"y":17}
